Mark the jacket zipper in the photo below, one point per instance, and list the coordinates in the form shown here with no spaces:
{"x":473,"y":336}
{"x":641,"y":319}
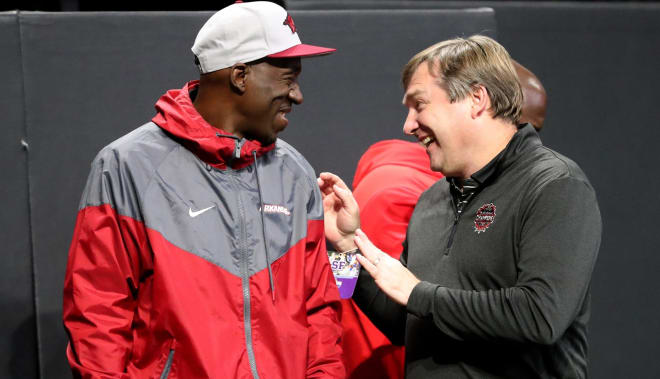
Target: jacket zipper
{"x":245,"y":280}
{"x":168,"y":363}
{"x":457,"y":216}
{"x":458,"y":211}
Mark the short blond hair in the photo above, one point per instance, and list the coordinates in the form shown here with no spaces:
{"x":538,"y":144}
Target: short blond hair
{"x":462,"y":64}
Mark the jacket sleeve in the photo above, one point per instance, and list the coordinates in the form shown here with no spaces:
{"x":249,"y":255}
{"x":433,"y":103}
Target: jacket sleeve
{"x":101,"y":278}
{"x":324,"y":355}
{"x":559,"y":241}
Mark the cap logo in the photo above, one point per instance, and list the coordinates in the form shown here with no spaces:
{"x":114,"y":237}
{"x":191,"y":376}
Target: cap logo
{"x":289,"y":22}
{"x":485,"y":217}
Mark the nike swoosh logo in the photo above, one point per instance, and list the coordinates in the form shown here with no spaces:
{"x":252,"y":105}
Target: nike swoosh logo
{"x":193,"y":214}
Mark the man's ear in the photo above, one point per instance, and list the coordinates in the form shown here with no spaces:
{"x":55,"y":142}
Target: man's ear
{"x":480,"y":101}
{"x":238,"y":77}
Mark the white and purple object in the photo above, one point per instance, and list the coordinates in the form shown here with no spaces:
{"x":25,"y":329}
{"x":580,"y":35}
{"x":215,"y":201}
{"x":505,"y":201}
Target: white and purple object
{"x":346,"y":269}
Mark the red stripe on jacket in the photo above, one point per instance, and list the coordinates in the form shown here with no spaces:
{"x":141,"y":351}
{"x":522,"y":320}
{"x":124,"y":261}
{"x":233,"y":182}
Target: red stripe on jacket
{"x":193,"y":306}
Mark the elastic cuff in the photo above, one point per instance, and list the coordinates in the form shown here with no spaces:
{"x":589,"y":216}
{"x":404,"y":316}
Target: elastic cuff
{"x":420,"y":301}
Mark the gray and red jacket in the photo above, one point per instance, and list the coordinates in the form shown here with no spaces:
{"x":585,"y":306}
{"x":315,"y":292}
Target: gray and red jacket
{"x":175,"y":271}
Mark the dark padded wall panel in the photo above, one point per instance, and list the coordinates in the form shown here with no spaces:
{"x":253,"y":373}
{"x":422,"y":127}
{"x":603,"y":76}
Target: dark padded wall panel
{"x":89,"y":79}
{"x":18,"y":339}
{"x":599,"y":65}
{"x":353,"y":97}
{"x":92,"y":77}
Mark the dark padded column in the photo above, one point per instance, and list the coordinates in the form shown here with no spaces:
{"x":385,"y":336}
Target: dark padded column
{"x":18,"y":336}
{"x":599,"y":64}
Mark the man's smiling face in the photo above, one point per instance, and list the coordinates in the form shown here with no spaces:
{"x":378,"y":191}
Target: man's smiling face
{"x":271,"y":90}
{"x":437,"y":123}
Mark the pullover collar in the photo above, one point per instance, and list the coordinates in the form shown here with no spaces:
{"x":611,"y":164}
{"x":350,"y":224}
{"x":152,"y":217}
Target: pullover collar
{"x":525,"y":138}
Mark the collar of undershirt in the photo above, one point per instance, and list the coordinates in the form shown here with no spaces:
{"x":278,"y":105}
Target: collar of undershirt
{"x":463,"y":190}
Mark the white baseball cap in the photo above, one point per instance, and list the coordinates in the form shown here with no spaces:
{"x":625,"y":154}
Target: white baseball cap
{"x":245,"y":32}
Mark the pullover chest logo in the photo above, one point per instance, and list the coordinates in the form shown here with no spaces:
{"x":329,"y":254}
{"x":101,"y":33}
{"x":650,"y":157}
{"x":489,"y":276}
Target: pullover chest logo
{"x":485,"y":217}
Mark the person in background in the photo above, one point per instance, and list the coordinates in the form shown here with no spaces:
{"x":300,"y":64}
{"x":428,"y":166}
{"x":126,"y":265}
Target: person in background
{"x":535,"y":100}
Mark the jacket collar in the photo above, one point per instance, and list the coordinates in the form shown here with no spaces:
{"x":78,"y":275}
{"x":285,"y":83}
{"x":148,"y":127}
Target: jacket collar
{"x":524,"y":139}
{"x":178,"y":117}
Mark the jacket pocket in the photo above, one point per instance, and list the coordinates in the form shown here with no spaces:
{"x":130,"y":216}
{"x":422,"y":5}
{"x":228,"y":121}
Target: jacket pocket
{"x":166,"y":362}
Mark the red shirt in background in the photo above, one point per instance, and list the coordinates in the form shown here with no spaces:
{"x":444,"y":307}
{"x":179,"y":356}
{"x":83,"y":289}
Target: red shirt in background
{"x":389,"y":178}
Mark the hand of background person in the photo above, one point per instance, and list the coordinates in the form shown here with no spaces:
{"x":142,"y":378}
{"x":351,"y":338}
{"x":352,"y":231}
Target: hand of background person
{"x":341,"y":211}
{"x":389,"y":274}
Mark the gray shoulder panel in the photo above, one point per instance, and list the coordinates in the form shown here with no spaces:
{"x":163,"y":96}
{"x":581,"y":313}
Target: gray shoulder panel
{"x":214,"y":214}
{"x":122,"y":170}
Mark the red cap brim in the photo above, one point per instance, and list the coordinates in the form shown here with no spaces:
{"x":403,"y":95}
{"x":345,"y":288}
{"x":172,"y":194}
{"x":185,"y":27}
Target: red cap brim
{"x":303,"y":50}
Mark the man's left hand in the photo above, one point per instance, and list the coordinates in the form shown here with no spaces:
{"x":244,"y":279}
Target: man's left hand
{"x":389,"y":274}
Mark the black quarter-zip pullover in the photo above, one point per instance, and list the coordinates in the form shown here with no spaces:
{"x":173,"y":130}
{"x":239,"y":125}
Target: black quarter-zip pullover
{"x":505,"y":286}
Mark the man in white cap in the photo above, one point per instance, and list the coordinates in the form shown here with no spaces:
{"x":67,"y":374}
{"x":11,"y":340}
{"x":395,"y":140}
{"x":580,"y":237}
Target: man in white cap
{"x":199,"y":248}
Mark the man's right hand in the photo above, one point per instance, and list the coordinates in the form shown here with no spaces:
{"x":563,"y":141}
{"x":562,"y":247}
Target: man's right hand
{"x":341,"y":211}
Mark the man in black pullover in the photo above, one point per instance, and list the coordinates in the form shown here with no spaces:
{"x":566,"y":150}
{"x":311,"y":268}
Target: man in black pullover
{"x":494,"y":278}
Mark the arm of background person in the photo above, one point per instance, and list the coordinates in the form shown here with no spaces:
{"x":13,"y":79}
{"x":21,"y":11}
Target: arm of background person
{"x":387,"y":315}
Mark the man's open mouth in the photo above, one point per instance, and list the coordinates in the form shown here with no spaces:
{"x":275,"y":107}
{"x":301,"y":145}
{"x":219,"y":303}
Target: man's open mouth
{"x":427,"y":141}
